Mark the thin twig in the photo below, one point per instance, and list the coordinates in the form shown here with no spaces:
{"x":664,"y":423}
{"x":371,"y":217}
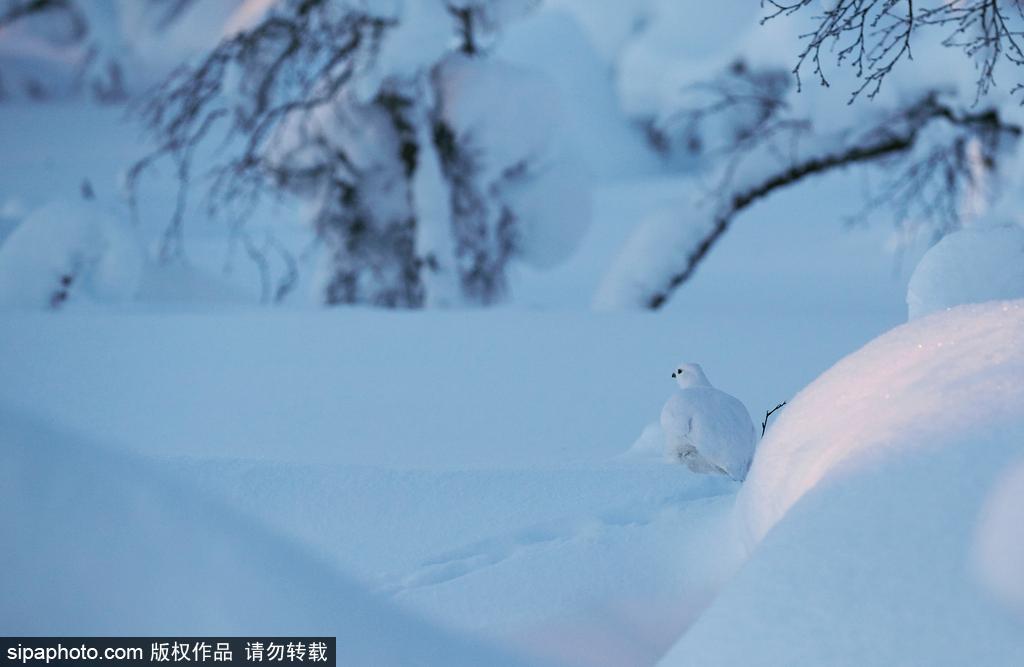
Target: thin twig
{"x":764,"y":424}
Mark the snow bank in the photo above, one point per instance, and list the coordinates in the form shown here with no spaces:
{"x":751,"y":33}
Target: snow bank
{"x":863,"y":501}
{"x":100,"y":543}
{"x":968,"y":266}
{"x":925,"y":385}
{"x":69,"y":251}
{"x":649,"y":445}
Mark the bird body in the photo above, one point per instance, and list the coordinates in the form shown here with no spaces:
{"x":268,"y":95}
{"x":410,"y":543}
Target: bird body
{"x":706,"y":428}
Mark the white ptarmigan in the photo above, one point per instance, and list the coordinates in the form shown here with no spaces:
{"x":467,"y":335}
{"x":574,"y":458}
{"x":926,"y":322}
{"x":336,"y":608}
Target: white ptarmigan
{"x":705,"y":428}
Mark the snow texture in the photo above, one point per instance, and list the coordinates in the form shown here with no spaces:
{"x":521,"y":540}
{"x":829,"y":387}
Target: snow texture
{"x":552,"y":41}
{"x":513,"y":117}
{"x":73,"y":50}
{"x":656,"y":248}
{"x":244,"y":469}
{"x":968,"y":266}
{"x":863,"y":503}
{"x":108,"y":544}
{"x":69,"y":252}
{"x":929,"y":383}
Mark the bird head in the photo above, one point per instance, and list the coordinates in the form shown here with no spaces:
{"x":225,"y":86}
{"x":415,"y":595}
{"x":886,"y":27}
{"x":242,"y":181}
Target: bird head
{"x":690,"y":375}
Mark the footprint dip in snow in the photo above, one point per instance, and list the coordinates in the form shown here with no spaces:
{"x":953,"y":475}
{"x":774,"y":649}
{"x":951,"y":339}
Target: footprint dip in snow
{"x":706,"y":428}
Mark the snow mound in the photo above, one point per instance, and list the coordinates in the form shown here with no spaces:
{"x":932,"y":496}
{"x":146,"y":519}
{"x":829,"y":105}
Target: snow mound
{"x":649,"y":446}
{"x":922,"y":385}
{"x":864,"y":500}
{"x":69,"y":252}
{"x":968,"y":266}
{"x":145,"y":555}
{"x":999,"y":548}
{"x":517,"y":114}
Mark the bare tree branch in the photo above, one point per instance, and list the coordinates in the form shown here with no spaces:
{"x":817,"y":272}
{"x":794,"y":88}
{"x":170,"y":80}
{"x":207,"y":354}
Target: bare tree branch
{"x":873,"y":36}
{"x":767,"y":414}
{"x":293,"y":63}
{"x":893,"y":138}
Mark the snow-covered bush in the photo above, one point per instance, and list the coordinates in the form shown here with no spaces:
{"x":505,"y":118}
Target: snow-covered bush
{"x":429,"y":165}
{"x":66,"y":252}
{"x":968,"y":266}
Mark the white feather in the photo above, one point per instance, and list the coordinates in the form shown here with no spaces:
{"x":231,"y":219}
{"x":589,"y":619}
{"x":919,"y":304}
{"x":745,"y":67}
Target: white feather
{"x":705,"y":428}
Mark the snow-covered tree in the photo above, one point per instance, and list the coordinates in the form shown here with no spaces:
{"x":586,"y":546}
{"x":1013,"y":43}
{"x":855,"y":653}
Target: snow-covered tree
{"x":936,"y":145}
{"x":102,"y":50}
{"x":428,"y":165}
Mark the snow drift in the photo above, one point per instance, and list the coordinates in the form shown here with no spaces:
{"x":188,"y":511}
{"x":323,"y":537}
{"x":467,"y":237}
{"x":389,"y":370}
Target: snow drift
{"x":107,"y":545}
{"x":968,"y":266}
{"x":863,"y":502}
{"x":929,"y":384}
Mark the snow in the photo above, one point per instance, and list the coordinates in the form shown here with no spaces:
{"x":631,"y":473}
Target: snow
{"x":109,"y":544}
{"x":863,"y":501}
{"x":64,"y":53}
{"x":971,"y":265}
{"x":928,"y":384}
{"x":425,"y":25}
{"x":999,"y":543}
{"x":513,"y":111}
{"x":456,"y":486}
{"x":513,"y":117}
{"x":66,"y":252}
{"x":433,"y":238}
{"x":414,"y":453}
{"x":420,"y":463}
{"x":656,"y":248}
{"x":545,"y":561}
{"x":649,"y":445}
{"x":670,"y":50}
{"x":554,"y":211}
{"x":550,"y":40}
{"x":443,"y":369}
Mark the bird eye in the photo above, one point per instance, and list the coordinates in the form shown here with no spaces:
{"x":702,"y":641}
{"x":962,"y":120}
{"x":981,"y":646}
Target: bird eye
{"x":679,"y":370}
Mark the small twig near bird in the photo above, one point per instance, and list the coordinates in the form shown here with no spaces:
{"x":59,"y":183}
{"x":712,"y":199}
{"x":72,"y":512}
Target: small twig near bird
{"x":764,"y":424}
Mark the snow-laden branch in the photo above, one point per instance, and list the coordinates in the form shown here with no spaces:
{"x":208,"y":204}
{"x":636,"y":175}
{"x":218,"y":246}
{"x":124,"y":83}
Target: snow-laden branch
{"x":917,"y":119}
{"x":422,"y":180}
{"x":927,"y":176}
